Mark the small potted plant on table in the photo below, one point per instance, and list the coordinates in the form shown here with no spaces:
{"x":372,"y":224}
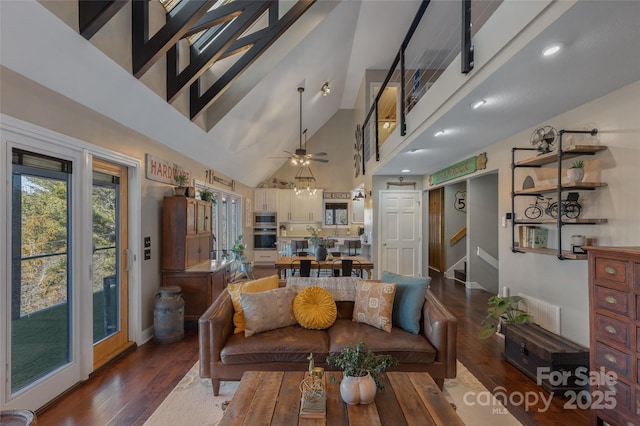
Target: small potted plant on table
{"x":361,"y":369}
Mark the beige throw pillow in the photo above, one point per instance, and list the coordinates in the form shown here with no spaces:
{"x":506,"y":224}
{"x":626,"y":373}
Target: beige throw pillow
{"x":268,"y":310}
{"x":374,"y":303}
{"x":255,"y":286}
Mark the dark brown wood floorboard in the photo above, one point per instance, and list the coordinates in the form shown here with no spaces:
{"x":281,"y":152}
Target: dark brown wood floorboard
{"x":127,"y":391}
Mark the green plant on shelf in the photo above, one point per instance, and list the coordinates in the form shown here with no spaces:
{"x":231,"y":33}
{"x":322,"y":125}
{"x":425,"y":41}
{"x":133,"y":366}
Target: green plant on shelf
{"x":578,"y":164}
{"x":181,"y":179}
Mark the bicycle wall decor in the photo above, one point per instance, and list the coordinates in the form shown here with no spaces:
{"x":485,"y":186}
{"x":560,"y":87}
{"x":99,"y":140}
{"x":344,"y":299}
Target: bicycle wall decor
{"x":570,"y":207}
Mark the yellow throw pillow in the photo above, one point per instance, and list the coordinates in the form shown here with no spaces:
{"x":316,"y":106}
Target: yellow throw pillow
{"x":314,"y":308}
{"x":255,"y":286}
{"x":374,"y":303}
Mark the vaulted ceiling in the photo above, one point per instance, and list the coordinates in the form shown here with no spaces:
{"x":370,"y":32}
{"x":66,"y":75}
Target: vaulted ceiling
{"x":332,"y":41}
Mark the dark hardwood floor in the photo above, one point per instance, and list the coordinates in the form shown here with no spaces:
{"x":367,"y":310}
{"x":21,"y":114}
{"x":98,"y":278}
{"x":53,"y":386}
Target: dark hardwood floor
{"x":127,"y":391}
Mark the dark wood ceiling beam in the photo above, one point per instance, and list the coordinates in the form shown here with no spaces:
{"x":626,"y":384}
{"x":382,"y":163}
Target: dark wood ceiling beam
{"x":147,"y":51}
{"x":93,"y":14}
{"x":198,"y":103}
{"x":199,"y":62}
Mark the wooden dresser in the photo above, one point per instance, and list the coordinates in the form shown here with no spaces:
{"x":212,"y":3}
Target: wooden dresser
{"x":614,"y":320}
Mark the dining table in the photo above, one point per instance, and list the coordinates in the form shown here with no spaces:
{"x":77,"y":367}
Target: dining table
{"x":359,"y":263}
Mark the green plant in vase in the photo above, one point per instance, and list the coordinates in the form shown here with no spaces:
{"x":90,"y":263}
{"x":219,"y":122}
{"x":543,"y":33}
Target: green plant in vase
{"x":238,"y":247}
{"x":181,"y":179}
{"x":576,"y":172}
{"x":357,"y":361}
{"x":502,"y":310}
{"x":206,"y":195}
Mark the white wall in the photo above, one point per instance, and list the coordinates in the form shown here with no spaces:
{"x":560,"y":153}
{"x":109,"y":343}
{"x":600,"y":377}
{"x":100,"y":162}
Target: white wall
{"x":565,"y":283}
{"x":482,"y":230}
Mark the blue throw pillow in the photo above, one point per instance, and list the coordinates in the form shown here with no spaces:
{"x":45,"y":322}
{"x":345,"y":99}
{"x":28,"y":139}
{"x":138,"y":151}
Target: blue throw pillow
{"x":407,"y":305}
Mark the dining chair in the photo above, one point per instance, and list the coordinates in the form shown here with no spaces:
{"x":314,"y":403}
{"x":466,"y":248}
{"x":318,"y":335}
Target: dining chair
{"x":348,"y":267}
{"x":305,"y":266}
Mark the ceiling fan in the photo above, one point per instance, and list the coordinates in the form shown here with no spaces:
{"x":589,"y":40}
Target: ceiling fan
{"x":300,"y":156}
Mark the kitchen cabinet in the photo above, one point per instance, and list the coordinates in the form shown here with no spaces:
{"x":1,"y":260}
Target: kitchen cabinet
{"x":265,"y":199}
{"x":561,"y":219}
{"x":186,"y":232}
{"x":301,"y":208}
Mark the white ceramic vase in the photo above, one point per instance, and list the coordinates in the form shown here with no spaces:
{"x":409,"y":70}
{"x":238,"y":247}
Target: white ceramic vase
{"x":358,"y":390}
{"x":575,"y":174}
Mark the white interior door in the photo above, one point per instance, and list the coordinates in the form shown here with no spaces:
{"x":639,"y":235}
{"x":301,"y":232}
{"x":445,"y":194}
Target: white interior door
{"x":400,"y":229}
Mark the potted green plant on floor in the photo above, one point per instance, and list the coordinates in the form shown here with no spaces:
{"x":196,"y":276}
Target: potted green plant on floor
{"x":361,"y":369}
{"x":502,"y":310}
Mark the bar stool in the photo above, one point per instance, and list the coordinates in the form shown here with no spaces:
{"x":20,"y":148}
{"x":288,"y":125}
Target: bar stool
{"x":353,"y":247}
{"x":297,"y":247}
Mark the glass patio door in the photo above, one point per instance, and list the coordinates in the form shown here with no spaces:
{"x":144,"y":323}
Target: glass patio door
{"x":41,"y":326}
{"x":109,"y":262}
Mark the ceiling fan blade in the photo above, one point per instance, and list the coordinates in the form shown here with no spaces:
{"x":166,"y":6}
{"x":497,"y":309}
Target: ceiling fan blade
{"x":319,"y":154}
{"x":320,"y":160}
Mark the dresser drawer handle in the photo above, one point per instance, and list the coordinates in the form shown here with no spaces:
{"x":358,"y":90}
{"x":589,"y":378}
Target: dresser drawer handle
{"x":610,"y":270}
{"x":612,"y":359}
{"x":611,"y":300}
{"x":610,"y":329}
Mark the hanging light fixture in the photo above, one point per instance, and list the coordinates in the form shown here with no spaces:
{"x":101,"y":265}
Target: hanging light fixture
{"x":361,"y":194}
{"x":304,"y":180}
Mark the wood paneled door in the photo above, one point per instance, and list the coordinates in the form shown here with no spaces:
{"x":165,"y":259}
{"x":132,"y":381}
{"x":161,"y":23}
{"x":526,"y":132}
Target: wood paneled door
{"x":436,"y":229}
{"x":109,"y":262}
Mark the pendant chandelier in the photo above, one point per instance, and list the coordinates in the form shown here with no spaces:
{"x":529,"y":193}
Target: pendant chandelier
{"x":304,"y":180}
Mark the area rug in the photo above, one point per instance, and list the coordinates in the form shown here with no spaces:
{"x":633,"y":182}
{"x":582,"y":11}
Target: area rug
{"x":192,"y":403}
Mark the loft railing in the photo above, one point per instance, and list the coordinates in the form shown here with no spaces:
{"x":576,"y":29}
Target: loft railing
{"x":432,"y":42}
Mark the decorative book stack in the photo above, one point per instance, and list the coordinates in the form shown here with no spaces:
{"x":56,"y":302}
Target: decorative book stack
{"x":314,"y":400}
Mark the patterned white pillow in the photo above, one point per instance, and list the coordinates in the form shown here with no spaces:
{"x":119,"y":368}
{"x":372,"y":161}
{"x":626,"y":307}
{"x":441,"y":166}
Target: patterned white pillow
{"x":374,"y":303}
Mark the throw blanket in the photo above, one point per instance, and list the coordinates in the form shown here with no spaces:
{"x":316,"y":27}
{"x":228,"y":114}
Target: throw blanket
{"x":341,"y":288}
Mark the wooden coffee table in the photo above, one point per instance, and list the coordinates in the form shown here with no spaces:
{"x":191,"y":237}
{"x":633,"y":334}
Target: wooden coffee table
{"x":273,"y":397}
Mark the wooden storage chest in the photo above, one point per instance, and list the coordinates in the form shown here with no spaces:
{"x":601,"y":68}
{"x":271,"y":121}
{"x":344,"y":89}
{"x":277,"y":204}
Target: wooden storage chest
{"x":529,"y":347}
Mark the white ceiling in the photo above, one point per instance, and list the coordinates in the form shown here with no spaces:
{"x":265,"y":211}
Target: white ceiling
{"x":601,"y":53}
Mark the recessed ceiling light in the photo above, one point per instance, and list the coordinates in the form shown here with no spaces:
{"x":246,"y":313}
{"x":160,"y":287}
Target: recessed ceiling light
{"x":552,"y":50}
{"x":439,"y":133}
{"x":405,"y":170}
{"x":478,"y":104}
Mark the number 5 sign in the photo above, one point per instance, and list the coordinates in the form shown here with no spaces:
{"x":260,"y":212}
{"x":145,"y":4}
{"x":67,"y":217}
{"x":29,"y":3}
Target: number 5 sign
{"x":461,"y":201}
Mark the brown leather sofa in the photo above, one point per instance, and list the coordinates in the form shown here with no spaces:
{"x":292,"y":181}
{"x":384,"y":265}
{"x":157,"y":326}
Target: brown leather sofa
{"x":226,"y":356}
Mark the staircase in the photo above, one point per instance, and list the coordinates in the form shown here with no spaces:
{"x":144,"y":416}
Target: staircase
{"x":461,"y":274}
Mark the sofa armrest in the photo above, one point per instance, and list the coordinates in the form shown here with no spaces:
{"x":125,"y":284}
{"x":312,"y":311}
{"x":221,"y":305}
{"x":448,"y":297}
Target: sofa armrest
{"x":441,"y":328}
{"x":215,"y":326}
